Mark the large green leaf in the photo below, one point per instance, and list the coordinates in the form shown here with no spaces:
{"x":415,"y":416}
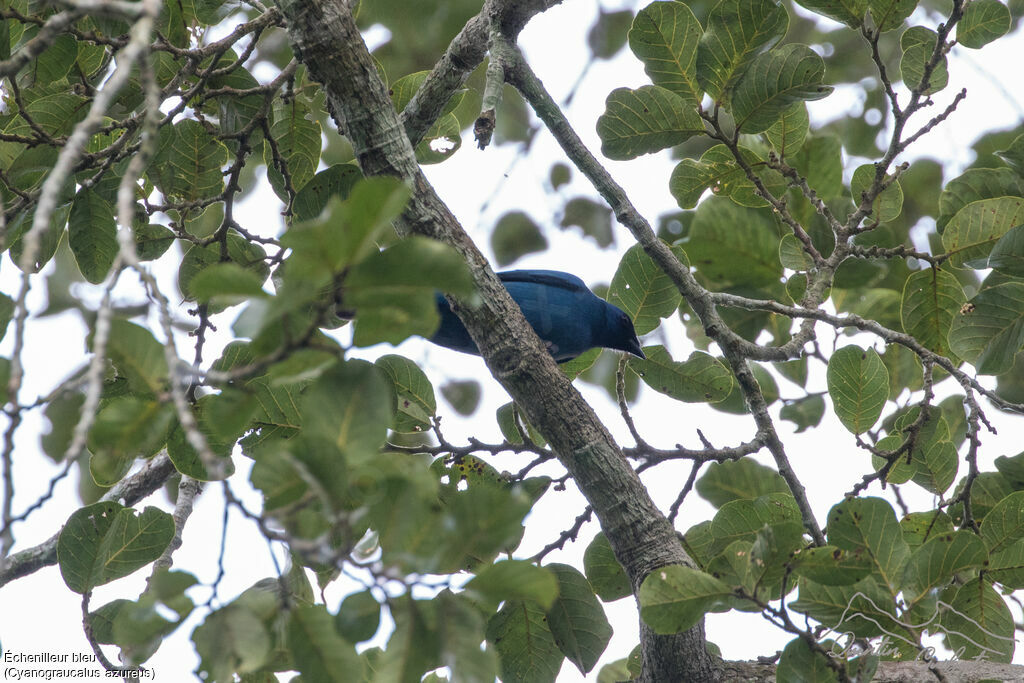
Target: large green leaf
{"x":733,"y":246}
{"x":643,"y":290}
{"x":349,"y":405}
{"x":702,"y":378}
{"x":106,"y":541}
{"x":983,"y":21}
{"x":979,"y":624}
{"x":934,"y":563}
{"x":317,"y":650}
{"x":514,"y":580}
{"x":526,"y":648}
{"x":393,"y":290}
{"x":742,"y":519}
{"x":1004,"y":524}
{"x":415,"y":400}
{"x":830,"y":566}
{"x":1008,"y":253}
{"x":918,"y":45}
{"x":787,"y":135}
{"x":931,"y":298}
{"x":92,"y":235}
{"x":973,"y":231}
{"x":646,"y":120}
{"x":674,"y":598}
{"x":858,"y":384}
{"x":870,"y":524}
{"x":849,"y":12}
{"x":800,"y":664}
{"x":976,"y":184}
{"x":296,"y":134}
{"x":773,"y":82}
{"x":664,"y":36}
{"x":989,"y":331}
{"x":723,"y":482}
{"x":604,"y":572}
{"x":888,"y":204}
{"x":890,"y":14}
{"x":737,"y":31}
{"x":719,"y":171}
{"x":188,"y":161}
{"x":576,"y":619}
{"x":137,"y":356}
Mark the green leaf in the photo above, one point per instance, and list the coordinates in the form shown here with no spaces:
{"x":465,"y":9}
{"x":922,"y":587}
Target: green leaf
{"x":973,"y":231}
{"x":137,"y":356}
{"x":349,"y":405}
{"x":152,"y":240}
{"x":130,"y":427}
{"x":864,"y":609}
{"x":604,"y":571}
{"x":513,"y":580}
{"x":934,"y":563}
{"x":226,"y":282}
{"x":416,"y":403}
{"x":742,"y":519}
{"x":317,"y":650}
{"x":336,"y":181}
{"x":674,"y":598}
{"x":983,"y":21}
{"x":976,"y":184}
{"x":648,"y":119}
{"x":737,"y":31}
{"x":733,"y":246}
{"x":800,"y":664}
{"x":773,"y":82}
{"x":232,"y":639}
{"x":608,"y":33}
{"x":576,"y":619}
{"x":820,"y":161}
{"x":358,"y":617}
{"x":832,"y":566}
{"x":931,"y":299}
{"x":979,"y":624}
{"x":700,"y":379}
{"x":804,"y":412}
{"x":526,"y":648}
{"x":461,"y":632}
{"x":989,"y":331}
{"x":664,"y":36}
{"x":870,"y":524}
{"x":593,"y":218}
{"x":462,"y":395}
{"x":514,"y":236}
{"x":887,"y":205}
{"x":918,"y":45}
{"x":92,"y":235}
{"x":849,"y":12}
{"x":1008,"y":253}
{"x":723,"y":482}
{"x":188,"y":161}
{"x":242,"y":253}
{"x":858,"y":384}
{"x":643,"y":290}
{"x":1004,"y":524}
{"x":787,"y":135}
{"x":106,"y":541}
{"x":296,"y":133}
{"x":936,"y":466}
{"x":393,"y":290}
{"x":890,"y":14}
{"x":718,"y":171}
{"x":920,"y":527}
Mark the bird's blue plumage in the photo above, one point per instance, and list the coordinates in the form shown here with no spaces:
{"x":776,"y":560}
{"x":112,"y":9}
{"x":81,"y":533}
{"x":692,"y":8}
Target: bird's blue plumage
{"x":566,"y":315}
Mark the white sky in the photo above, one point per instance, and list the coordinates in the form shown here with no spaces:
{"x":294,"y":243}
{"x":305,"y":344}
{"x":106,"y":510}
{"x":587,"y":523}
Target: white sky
{"x":42,"y":615}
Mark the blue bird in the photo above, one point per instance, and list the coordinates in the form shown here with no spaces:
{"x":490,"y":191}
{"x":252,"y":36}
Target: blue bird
{"x":564,"y":313}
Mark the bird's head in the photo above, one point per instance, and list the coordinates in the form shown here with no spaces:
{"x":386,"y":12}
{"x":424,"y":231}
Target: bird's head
{"x":619,"y":333}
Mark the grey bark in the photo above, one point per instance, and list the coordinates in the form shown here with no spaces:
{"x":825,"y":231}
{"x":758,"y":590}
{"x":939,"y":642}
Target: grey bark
{"x":326,"y":39}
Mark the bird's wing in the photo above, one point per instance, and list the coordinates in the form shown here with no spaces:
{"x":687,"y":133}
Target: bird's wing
{"x":550,"y":278}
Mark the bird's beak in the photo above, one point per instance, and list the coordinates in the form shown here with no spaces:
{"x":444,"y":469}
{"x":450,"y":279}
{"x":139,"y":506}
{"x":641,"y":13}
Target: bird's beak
{"x":633,"y":347}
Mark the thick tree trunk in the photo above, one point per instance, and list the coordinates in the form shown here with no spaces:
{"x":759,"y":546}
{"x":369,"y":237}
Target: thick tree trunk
{"x":326,"y":40}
